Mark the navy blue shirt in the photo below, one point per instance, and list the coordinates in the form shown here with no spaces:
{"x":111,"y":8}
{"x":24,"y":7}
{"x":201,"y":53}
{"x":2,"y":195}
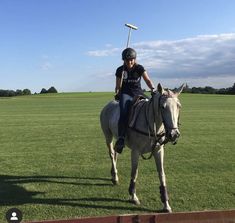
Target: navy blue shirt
{"x":131,"y":84}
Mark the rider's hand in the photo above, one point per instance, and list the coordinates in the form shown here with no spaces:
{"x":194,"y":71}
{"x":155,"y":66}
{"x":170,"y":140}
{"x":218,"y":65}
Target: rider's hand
{"x":153,"y":91}
{"x":117,"y":97}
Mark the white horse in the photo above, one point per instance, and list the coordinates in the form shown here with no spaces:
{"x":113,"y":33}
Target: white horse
{"x":155,"y":125}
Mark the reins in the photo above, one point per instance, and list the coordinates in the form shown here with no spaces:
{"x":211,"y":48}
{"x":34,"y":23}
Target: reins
{"x":159,"y":139}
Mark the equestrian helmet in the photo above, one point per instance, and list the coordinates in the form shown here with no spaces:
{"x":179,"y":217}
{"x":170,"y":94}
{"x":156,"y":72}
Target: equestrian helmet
{"x":128,"y":54}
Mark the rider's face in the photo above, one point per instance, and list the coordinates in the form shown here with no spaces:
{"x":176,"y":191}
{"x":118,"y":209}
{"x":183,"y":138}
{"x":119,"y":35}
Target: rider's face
{"x":130,"y":63}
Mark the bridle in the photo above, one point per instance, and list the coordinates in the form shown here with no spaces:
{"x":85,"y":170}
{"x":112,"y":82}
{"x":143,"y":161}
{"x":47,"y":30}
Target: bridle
{"x":158,"y":138}
{"x":163,"y":120}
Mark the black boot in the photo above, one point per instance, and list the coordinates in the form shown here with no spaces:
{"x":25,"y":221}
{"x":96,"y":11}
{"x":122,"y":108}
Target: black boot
{"x":119,"y":145}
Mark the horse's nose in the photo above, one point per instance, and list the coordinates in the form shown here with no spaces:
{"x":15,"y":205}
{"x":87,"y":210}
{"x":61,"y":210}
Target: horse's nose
{"x":177,"y":133}
{"x":174,"y":134}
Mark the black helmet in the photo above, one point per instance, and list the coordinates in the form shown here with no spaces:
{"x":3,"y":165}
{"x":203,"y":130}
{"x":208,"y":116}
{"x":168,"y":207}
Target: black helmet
{"x":128,"y":54}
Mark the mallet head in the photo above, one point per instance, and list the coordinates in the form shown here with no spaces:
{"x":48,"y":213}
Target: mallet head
{"x":131,"y":26}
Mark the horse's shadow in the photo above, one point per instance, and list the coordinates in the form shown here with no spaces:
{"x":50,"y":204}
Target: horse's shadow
{"x":13,"y":194}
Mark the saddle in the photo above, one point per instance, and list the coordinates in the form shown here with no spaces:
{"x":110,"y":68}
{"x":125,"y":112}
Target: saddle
{"x":136,"y":105}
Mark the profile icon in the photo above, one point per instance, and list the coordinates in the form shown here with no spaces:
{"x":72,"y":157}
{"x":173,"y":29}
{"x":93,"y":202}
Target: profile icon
{"x":14,"y":215}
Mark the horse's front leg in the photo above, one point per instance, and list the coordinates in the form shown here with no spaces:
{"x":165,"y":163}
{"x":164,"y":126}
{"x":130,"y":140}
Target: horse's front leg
{"x":159,"y":158}
{"x":134,"y":173}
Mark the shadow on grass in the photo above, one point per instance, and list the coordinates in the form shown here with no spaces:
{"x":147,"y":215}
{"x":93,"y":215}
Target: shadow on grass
{"x":12,"y":193}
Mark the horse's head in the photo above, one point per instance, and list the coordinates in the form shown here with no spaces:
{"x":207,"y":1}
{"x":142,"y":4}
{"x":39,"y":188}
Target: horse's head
{"x":169,"y":106}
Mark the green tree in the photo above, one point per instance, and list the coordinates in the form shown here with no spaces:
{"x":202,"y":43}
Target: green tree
{"x":26,"y":92}
{"x":19,"y":92}
{"x":232,"y":91}
{"x":43,"y":91}
{"x":52,"y":90}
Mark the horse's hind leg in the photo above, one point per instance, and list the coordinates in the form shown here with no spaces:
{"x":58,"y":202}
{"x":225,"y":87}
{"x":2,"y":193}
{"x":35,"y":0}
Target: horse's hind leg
{"x":113,"y":156}
{"x":159,"y":157}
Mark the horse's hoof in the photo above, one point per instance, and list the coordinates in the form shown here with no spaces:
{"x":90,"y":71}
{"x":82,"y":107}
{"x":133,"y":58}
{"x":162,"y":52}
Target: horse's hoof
{"x":167,"y":210}
{"x":115,"y":182}
{"x":137,"y":202}
{"x":134,"y":201}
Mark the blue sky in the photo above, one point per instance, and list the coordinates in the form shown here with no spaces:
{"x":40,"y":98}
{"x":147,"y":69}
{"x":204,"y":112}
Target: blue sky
{"x":76,"y":45}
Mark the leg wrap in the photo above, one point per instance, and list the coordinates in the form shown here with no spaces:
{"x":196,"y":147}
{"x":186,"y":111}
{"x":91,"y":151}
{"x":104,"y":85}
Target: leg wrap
{"x":164,"y":194}
{"x":132,"y":187}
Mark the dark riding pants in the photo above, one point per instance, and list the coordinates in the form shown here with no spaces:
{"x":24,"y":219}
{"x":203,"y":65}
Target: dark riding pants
{"x":124,"y":104}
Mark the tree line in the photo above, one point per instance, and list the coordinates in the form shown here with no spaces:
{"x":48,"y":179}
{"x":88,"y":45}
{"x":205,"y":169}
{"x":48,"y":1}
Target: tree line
{"x":209,"y":90}
{"x":18,"y":92}
{"x":187,"y":89}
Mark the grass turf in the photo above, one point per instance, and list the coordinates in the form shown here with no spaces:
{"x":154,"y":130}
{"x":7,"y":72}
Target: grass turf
{"x":54,"y":163}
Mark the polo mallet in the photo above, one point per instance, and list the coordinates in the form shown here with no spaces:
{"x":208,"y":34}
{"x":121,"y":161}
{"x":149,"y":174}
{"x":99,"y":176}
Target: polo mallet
{"x":130,"y":26}
{"x":129,"y":34}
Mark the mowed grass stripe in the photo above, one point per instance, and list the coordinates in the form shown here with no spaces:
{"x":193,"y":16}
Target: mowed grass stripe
{"x":54,"y":163}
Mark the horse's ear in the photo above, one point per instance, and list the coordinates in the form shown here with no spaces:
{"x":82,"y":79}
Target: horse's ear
{"x":160,"y":88}
{"x":180,"y":89}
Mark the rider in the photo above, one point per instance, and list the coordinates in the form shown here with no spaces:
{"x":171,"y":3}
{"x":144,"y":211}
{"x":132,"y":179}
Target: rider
{"x":128,"y":85}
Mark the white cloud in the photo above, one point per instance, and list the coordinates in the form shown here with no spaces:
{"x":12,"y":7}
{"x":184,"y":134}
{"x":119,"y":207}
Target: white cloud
{"x":201,"y":56}
{"x":45,"y":63}
{"x":105,"y":75}
{"x":102,"y":53}
{"x":201,"y":60}
{"x":216,"y":82}
{"x":46,"y":66}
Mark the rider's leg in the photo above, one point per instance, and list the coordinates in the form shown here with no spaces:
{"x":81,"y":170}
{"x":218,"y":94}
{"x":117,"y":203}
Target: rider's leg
{"x":124,"y":104}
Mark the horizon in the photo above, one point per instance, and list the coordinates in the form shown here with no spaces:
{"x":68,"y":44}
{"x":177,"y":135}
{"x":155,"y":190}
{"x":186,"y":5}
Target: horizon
{"x":145,"y":90}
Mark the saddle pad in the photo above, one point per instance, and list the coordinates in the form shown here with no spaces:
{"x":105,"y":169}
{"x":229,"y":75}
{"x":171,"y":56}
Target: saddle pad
{"x":135,"y":109}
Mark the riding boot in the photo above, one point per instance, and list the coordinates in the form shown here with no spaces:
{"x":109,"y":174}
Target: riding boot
{"x":120,"y":144}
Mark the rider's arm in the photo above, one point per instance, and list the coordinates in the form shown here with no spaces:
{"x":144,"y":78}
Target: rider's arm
{"x":148,"y":81}
{"x":118,"y":85}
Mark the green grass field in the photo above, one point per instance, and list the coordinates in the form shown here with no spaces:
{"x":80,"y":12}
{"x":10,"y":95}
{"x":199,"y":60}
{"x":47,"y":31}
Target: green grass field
{"x":54,"y":163}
